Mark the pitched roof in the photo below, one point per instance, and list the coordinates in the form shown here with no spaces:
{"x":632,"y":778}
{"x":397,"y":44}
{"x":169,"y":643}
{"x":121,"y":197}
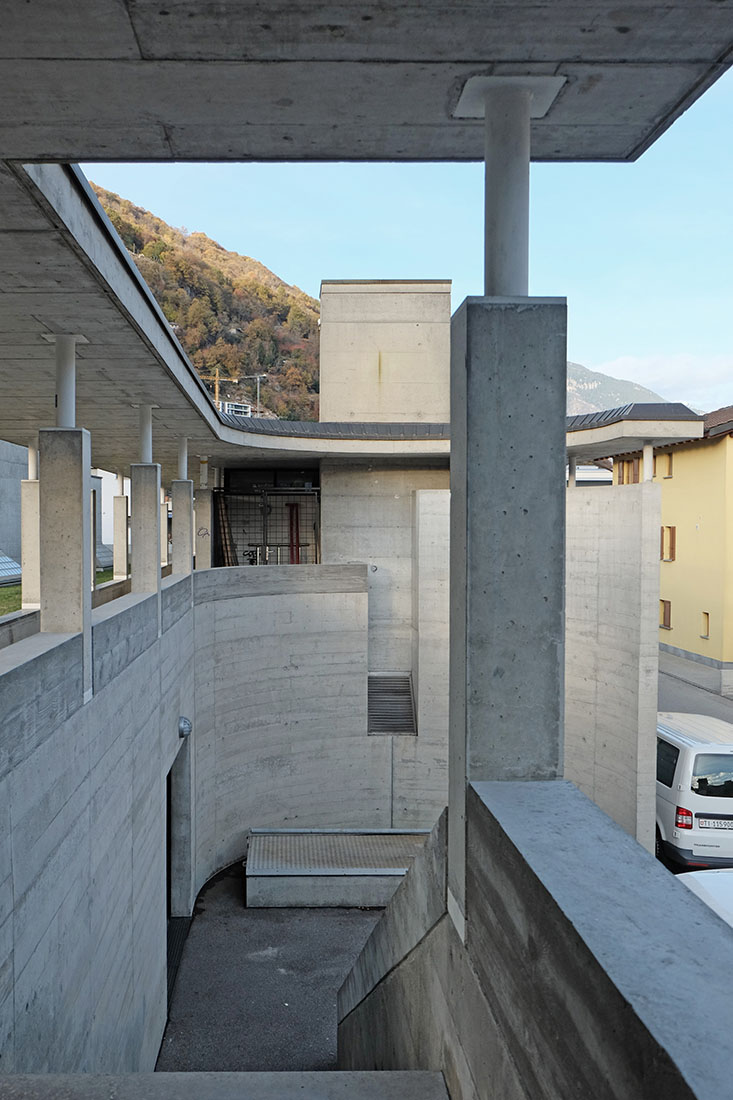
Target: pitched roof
{"x":719,"y":421}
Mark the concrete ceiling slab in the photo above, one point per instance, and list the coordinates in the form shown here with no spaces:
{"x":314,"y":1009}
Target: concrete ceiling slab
{"x":283,"y":80}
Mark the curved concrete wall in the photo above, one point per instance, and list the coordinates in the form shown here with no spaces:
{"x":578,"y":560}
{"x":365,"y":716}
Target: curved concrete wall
{"x":281,"y":675}
{"x":271,"y":664}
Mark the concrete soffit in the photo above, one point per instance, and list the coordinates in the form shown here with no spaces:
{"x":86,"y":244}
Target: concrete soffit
{"x":376,"y":81}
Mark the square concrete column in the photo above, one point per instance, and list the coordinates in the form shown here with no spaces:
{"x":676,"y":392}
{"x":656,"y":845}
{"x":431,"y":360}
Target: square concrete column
{"x":65,"y":536}
{"x":119,"y":538}
{"x":145,"y":527}
{"x":508,"y":367}
{"x":30,"y":560}
{"x":182,"y":526}
{"x":163,"y":531}
{"x":204,"y":527}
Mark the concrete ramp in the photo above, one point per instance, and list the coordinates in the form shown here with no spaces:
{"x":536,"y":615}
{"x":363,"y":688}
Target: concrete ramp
{"x":313,"y":868}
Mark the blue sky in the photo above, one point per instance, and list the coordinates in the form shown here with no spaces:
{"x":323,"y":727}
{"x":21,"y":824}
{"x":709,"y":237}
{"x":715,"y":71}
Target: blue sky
{"x":643,"y":252}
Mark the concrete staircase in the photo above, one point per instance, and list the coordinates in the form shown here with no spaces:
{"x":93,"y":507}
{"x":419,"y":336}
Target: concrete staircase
{"x":327,"y":867}
{"x":395,"y":1085}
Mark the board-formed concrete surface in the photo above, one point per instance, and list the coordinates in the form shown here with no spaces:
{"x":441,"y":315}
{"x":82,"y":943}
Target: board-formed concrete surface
{"x":377,"y":81}
{"x":228,"y":1086}
{"x":567,"y":987}
{"x":384,"y":349}
{"x":256,"y":989}
{"x":276,"y":687}
{"x":611,"y":650}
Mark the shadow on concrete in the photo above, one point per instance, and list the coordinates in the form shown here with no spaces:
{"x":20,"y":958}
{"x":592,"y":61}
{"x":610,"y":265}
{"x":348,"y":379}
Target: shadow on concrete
{"x":256,"y":988}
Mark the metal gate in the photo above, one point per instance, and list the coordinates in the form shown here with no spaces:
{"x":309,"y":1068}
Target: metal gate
{"x":267,"y":527}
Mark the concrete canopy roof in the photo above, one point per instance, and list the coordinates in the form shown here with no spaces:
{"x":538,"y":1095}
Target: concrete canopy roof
{"x":622,"y":431}
{"x":335,"y":80}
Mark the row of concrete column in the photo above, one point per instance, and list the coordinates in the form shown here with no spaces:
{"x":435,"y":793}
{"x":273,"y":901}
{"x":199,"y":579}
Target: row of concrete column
{"x":57,"y":529}
{"x":647,"y":465}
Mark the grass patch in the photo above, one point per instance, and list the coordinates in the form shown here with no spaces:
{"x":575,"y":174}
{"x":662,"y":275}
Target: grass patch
{"x":10,"y":595}
{"x":9,"y":598}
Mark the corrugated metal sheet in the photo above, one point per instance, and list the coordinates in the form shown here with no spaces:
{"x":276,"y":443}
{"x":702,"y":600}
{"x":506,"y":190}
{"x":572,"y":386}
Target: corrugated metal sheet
{"x":636,"y":411}
{"x":316,"y":430}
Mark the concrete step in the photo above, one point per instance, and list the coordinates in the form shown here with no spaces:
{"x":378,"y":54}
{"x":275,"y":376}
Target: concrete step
{"x":322,"y":867}
{"x":396,"y":1085}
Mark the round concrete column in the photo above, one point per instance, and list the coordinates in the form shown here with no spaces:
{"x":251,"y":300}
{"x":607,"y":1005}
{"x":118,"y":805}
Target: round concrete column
{"x":648,"y":461}
{"x":506,"y":256}
{"x":572,"y":470}
{"x":146,"y":433}
{"x":66,"y":381}
{"x":182,"y":459}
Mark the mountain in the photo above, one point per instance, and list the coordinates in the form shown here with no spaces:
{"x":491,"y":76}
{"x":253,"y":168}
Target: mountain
{"x":229,"y":312}
{"x":591,"y":391}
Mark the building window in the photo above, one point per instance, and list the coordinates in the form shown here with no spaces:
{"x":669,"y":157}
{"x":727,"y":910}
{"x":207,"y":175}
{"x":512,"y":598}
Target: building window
{"x":668,"y":544}
{"x":654,"y":466}
{"x":667,"y":465}
{"x":635,"y":468}
{"x":705,"y":625}
{"x":665,"y":614}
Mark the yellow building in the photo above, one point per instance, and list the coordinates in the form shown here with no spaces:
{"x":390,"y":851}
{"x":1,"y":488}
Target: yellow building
{"x":696,"y":548}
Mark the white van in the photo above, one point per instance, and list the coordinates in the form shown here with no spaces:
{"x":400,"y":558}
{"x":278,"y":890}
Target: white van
{"x":695,"y":790}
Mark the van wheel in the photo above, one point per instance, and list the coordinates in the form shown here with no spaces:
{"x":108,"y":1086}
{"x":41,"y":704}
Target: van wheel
{"x":658,"y":845}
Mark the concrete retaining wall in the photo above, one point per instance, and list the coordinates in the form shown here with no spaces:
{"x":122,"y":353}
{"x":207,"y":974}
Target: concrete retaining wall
{"x":564,"y":988}
{"x":82,"y":854}
{"x":271,"y":665}
{"x":611,"y":653}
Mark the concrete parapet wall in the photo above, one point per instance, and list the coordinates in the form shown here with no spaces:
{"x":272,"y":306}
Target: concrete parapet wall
{"x":611,"y":650}
{"x":17,"y":625}
{"x":564,"y":988}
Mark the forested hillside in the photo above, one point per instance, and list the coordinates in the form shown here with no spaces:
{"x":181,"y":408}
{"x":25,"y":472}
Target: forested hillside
{"x":229,"y":311}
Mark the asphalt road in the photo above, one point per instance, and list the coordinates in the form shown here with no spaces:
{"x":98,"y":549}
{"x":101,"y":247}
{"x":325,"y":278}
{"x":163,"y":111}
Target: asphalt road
{"x":677,"y":695}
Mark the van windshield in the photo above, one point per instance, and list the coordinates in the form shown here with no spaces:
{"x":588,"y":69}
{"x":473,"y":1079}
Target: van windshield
{"x":713,"y":775}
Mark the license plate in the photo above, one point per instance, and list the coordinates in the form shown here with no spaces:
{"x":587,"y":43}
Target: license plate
{"x":714,"y":823}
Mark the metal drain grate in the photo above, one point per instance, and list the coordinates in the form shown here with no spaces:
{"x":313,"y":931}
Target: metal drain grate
{"x":332,"y":853}
{"x":390,"y":704}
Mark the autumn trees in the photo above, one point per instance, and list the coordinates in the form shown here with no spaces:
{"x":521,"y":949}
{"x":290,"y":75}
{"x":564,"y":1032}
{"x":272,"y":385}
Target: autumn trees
{"x":228,"y":311}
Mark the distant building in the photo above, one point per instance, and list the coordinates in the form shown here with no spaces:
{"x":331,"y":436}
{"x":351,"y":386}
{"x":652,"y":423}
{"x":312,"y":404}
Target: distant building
{"x":696,"y":539}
